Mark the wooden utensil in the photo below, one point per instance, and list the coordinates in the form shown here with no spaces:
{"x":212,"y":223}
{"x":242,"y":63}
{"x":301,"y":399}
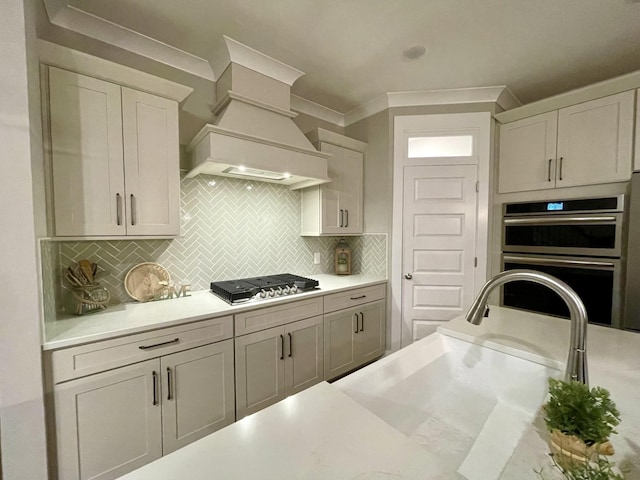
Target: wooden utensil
{"x":87,"y":269}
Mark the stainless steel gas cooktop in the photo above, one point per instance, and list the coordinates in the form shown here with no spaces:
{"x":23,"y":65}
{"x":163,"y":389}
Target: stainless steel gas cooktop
{"x":257,"y":288}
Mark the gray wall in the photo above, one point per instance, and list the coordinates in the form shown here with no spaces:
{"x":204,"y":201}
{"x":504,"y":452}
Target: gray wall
{"x":22,"y":434}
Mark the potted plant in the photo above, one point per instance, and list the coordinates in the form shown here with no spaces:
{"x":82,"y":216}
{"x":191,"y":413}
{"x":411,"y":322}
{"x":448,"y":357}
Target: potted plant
{"x":580,"y":421}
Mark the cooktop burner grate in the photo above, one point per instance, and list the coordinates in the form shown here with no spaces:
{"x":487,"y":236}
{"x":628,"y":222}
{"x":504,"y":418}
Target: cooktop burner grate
{"x":243,"y":290}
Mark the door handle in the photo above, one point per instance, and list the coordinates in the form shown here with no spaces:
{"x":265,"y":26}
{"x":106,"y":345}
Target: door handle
{"x":118,"y":209}
{"x":549,"y":174}
{"x":408,"y":276}
{"x":133,"y":210}
{"x":346,"y":216}
{"x":561,"y":161}
{"x":341,"y":217}
{"x":361,"y":322}
{"x":155,"y":388}
{"x":281,"y":347}
{"x":290,"y":344}
{"x":356,"y":315}
{"x":169,"y":384}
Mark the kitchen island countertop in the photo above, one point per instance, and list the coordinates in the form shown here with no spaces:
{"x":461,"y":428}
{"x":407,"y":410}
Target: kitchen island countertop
{"x":130,"y":318}
{"x":322,"y":433}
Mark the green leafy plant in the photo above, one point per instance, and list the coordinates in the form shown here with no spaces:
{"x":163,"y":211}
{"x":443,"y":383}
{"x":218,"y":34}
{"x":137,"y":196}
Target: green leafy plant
{"x":573,"y":409}
{"x":601,"y":469}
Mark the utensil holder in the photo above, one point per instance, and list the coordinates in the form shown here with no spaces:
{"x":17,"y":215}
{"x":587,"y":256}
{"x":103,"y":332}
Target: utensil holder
{"x":87,"y":299}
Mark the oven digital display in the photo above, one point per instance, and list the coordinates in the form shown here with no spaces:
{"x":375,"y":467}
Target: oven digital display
{"x":554,"y":206}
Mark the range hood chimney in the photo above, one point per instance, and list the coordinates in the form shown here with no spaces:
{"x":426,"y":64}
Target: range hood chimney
{"x":253,"y":135}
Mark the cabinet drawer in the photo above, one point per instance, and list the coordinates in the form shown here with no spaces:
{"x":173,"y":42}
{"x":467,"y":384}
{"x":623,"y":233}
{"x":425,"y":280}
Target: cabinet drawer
{"x":256,"y":320}
{"x":96,"y":357}
{"x":351,"y":298}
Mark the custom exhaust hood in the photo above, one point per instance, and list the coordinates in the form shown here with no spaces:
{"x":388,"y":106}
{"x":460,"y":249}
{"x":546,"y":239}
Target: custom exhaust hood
{"x":253,"y":135}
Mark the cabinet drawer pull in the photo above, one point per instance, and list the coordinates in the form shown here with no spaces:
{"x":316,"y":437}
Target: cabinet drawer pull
{"x":561,"y":161}
{"x":341,"y":217}
{"x":358,"y":298}
{"x":549,"y":174}
{"x":281,"y":347}
{"x":290,"y":344}
{"x":346,"y":216}
{"x":147,"y":347}
{"x":155,"y":388}
{"x":356,"y":315}
{"x":361,"y":322}
{"x":169,"y":384}
{"x":118,"y":209}
{"x":133,"y":210}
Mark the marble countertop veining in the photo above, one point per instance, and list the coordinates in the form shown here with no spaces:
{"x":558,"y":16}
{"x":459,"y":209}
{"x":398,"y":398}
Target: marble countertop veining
{"x":130,"y":318}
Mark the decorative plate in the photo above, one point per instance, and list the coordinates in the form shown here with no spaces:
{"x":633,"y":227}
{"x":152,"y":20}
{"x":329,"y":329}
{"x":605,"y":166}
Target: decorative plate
{"x":146,"y":281}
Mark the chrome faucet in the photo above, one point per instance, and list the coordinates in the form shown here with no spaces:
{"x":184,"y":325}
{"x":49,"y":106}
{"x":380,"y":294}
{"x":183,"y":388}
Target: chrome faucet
{"x":577,"y":359}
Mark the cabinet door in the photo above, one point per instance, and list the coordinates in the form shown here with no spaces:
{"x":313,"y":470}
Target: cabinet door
{"x":109,"y":423}
{"x":331,"y":192}
{"x":86,"y":155}
{"x":351,"y":197}
{"x":595,"y":141}
{"x":370,"y":341}
{"x":152,"y":163}
{"x":339,"y":343}
{"x":304,"y":365}
{"x":527,"y":153}
{"x":198,"y":393}
{"x":259,"y":370}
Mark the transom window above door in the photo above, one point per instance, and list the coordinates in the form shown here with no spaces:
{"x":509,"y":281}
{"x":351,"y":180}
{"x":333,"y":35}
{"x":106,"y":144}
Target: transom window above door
{"x":448,"y":146}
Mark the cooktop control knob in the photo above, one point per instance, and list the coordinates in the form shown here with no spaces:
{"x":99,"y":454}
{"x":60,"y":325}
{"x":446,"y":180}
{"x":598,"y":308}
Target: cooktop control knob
{"x":279,"y":291}
{"x":272,"y":292}
{"x":263,"y":294}
{"x":286,"y":290}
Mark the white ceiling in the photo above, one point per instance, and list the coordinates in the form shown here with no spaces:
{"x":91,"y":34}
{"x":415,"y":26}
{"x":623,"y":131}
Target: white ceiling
{"x":351,"y":50}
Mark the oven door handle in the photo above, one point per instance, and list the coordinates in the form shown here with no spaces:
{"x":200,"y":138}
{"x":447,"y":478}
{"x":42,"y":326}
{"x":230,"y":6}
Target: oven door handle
{"x":558,"y":220}
{"x":557,"y":261}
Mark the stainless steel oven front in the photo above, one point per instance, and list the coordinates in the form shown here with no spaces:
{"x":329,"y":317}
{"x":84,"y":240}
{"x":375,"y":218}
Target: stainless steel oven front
{"x":579,"y":241}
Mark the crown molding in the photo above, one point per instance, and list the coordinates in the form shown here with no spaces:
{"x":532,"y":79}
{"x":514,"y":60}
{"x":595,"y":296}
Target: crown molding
{"x":227,"y":50}
{"x":80,"y":62}
{"x":73,"y":18}
{"x":315,"y":110}
{"x":498,"y":94}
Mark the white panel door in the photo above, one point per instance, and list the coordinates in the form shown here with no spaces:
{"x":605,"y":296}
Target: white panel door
{"x":595,"y":141}
{"x":259,"y":370}
{"x":86,"y":155}
{"x":440,"y":204}
{"x":304,"y":364}
{"x":528,"y":153}
{"x":152,"y":163}
{"x":109,"y":423}
{"x":198,"y":393}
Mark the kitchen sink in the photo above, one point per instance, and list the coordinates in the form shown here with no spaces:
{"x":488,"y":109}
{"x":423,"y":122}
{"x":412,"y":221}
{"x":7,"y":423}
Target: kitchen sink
{"x":466,"y":403}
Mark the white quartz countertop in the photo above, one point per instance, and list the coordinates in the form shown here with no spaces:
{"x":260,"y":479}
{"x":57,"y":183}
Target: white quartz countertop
{"x":129,"y":318}
{"x":322,"y":433}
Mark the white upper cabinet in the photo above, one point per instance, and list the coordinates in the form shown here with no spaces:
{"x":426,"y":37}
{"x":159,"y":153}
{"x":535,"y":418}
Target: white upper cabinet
{"x":336,"y":208}
{"x":115,"y":159}
{"x":584,"y":144}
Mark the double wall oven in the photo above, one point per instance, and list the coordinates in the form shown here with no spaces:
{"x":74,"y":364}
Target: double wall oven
{"x":579,"y":241}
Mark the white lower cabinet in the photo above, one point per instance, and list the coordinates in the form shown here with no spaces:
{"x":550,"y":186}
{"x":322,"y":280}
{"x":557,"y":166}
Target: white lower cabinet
{"x":277,"y":362}
{"x":110,"y":423}
{"x":353,"y":337}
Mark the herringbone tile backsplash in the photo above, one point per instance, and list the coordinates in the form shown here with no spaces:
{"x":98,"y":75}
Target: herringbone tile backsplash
{"x":230,"y":229}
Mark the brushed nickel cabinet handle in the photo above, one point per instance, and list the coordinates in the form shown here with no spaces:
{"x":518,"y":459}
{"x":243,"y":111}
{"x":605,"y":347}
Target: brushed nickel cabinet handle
{"x":118,"y":209}
{"x":549,"y":174}
{"x":147,"y":347}
{"x":155,"y":388}
{"x":133,"y":210}
{"x":169,"y":384}
{"x":561,"y":161}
